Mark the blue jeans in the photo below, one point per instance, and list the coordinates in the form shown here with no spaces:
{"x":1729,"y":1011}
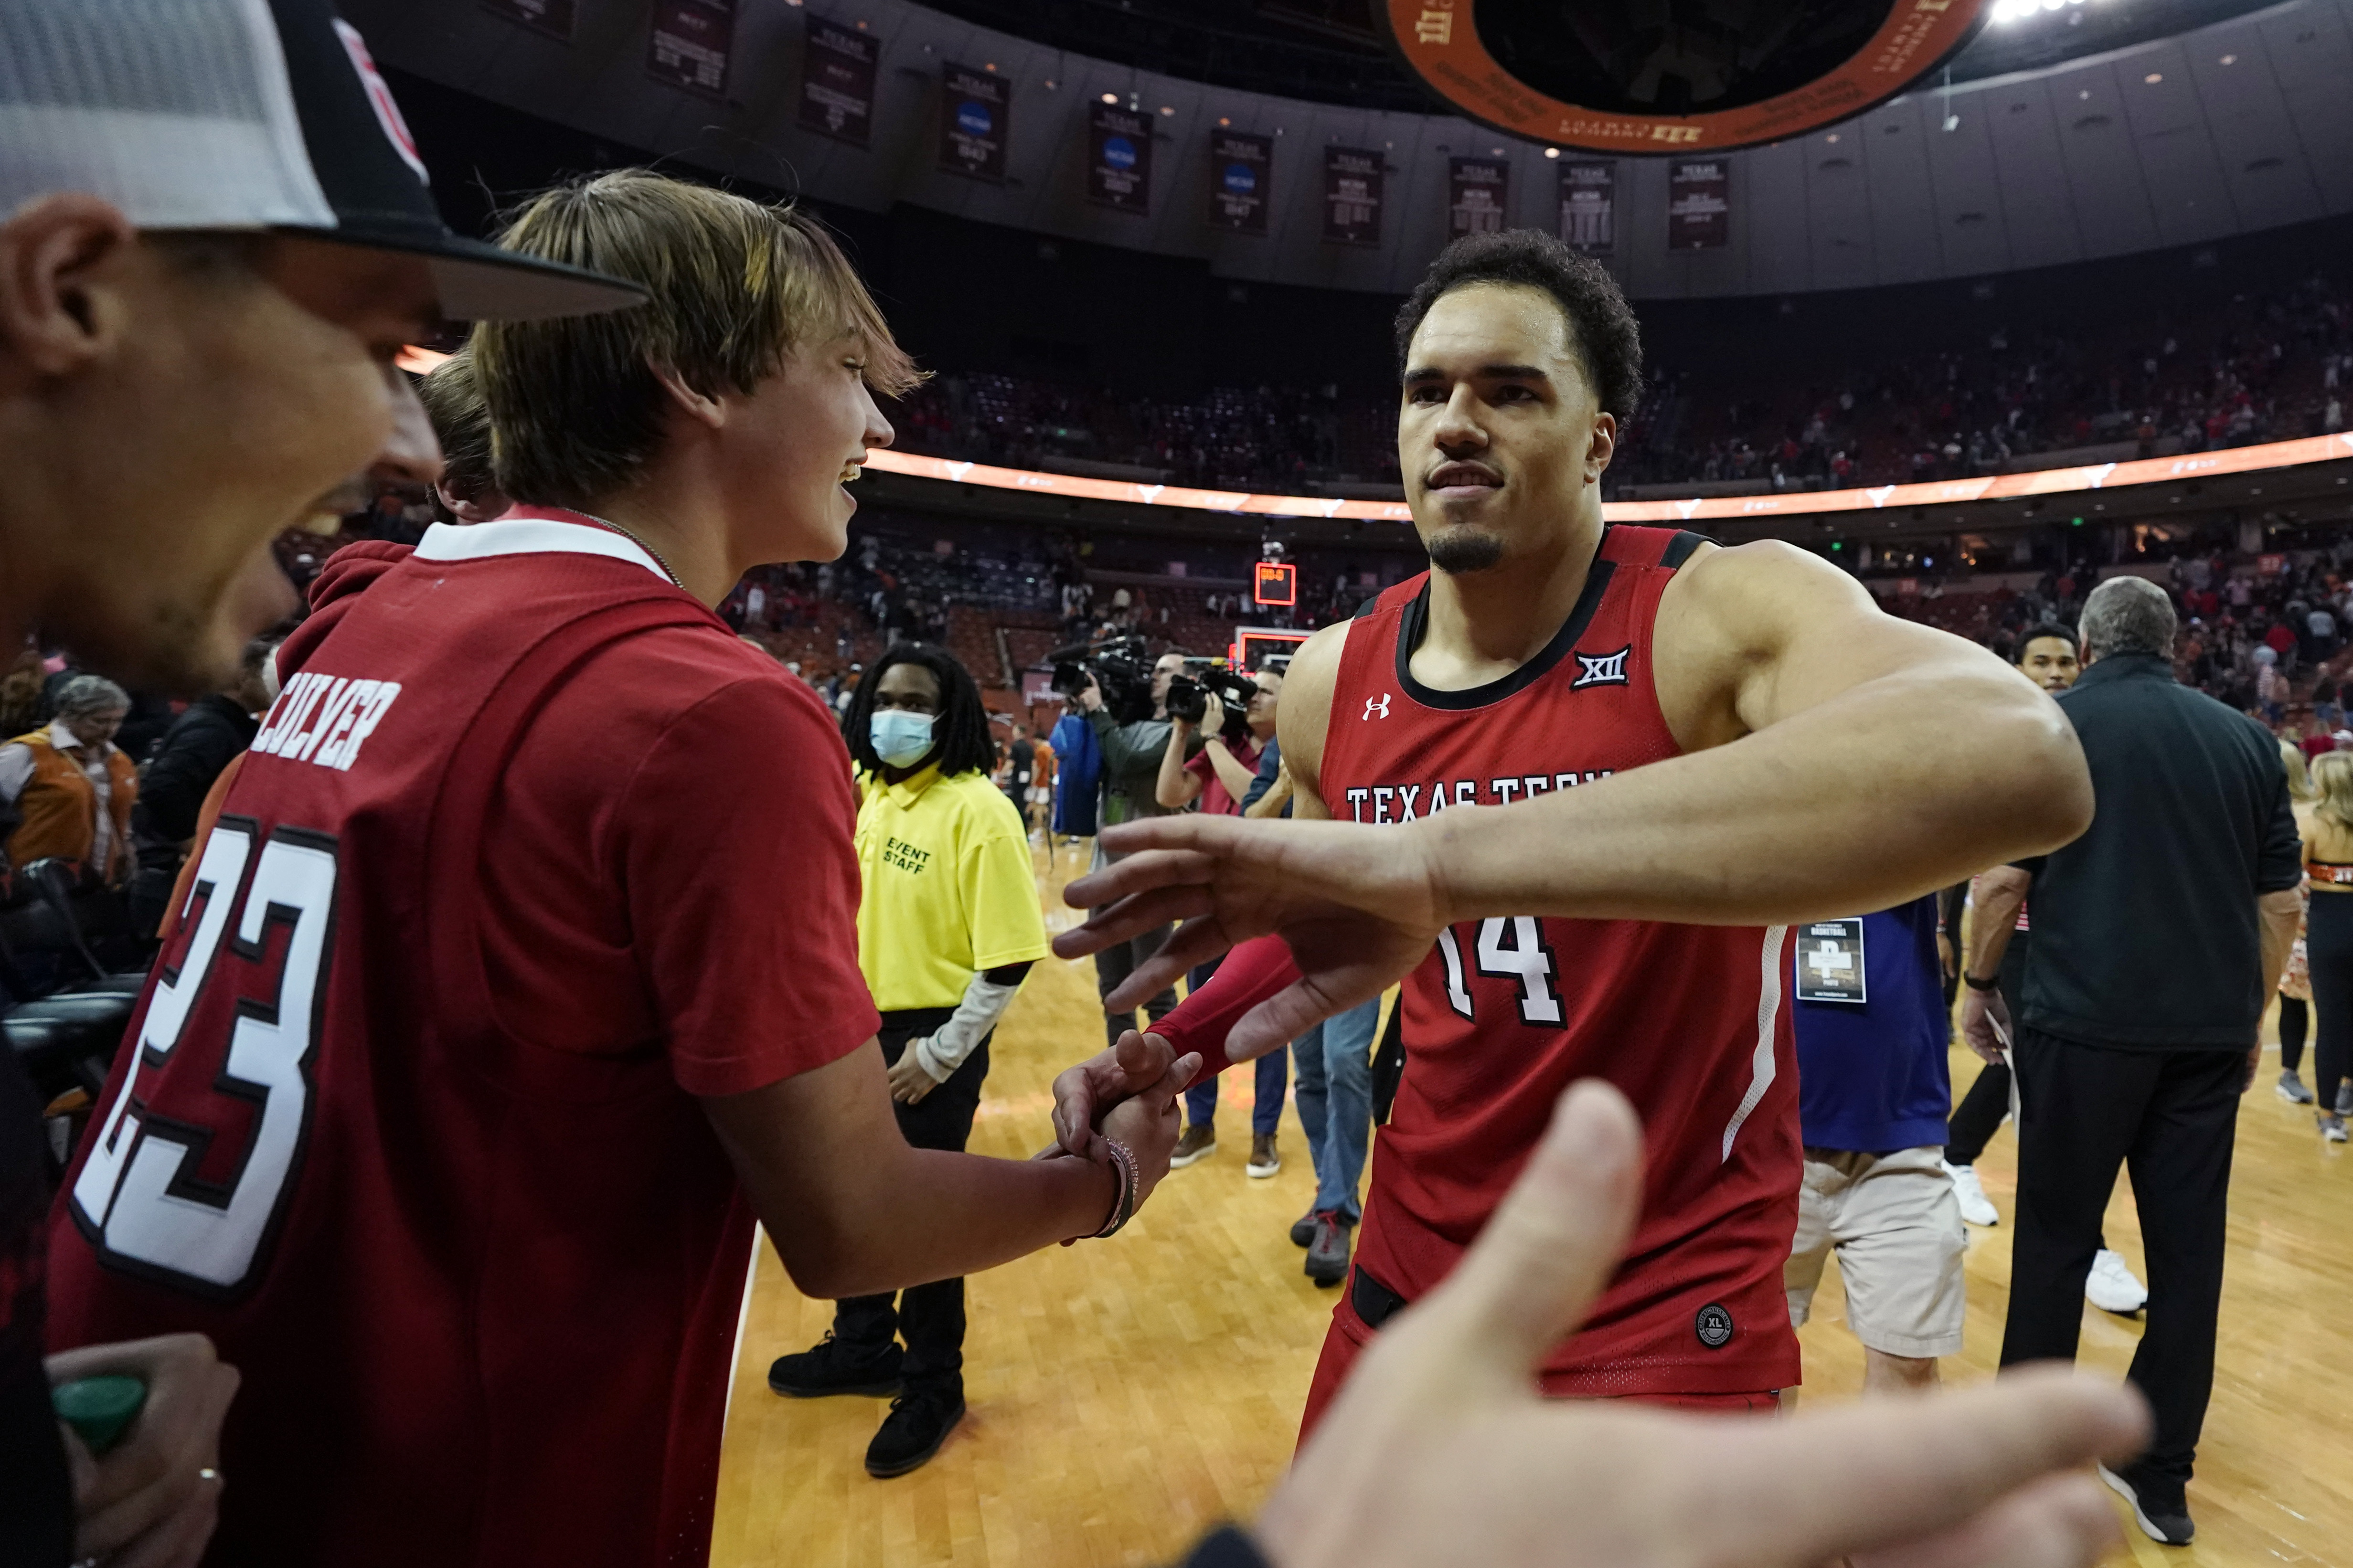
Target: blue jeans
{"x":1335,"y":1102}
{"x":1201,"y":1100}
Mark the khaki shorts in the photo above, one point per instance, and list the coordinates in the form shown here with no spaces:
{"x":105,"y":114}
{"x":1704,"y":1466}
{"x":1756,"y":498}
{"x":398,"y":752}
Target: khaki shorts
{"x":1898,"y":1228}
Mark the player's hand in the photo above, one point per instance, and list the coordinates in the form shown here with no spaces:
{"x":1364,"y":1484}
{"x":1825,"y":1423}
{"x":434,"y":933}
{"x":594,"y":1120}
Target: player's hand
{"x":1358,"y":906}
{"x":1439,"y":1451}
{"x":1147,"y":1122}
{"x":148,"y":1503}
{"x":1082,"y":1094}
{"x":1985,"y":1022}
{"x":909,"y":1081}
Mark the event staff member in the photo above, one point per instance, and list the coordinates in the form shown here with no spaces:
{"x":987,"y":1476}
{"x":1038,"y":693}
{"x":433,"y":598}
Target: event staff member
{"x":2295,"y":980}
{"x":566,"y":877}
{"x":67,"y":786}
{"x":1220,"y":777}
{"x":948,"y":924}
{"x":1872,"y":1085}
{"x":1691,"y":722}
{"x":2159,"y":935}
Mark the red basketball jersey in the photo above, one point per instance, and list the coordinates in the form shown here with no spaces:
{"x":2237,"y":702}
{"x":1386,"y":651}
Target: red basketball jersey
{"x":1505,"y":1013}
{"x":530,"y":856}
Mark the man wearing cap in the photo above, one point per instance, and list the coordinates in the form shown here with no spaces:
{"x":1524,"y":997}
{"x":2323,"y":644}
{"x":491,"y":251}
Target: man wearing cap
{"x":211,"y":226}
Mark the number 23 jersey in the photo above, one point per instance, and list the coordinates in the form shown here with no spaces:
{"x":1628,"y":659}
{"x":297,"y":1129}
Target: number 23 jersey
{"x":1690,"y":1022}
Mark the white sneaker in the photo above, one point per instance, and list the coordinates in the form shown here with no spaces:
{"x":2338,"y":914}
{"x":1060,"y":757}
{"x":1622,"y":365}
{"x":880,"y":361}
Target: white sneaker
{"x":2112,"y":1286}
{"x":1976,"y":1207}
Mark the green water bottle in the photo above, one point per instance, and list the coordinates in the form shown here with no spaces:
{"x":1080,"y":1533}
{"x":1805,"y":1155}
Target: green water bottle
{"x":100,"y":1409}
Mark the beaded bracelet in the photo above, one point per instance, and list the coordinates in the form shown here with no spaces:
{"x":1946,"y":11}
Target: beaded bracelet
{"x":1130,"y":1178}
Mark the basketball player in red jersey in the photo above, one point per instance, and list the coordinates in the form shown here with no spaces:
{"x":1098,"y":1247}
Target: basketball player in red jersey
{"x":1681,"y":728}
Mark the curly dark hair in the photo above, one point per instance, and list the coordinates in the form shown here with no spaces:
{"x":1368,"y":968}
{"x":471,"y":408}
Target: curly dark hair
{"x":960,"y":739}
{"x":1602,"y":324}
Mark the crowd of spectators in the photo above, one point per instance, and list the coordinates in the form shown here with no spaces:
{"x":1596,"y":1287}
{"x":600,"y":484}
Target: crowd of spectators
{"x":2258,"y":367}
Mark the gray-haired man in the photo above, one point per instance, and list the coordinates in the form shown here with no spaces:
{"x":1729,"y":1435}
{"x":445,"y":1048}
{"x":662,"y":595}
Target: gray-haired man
{"x":2158,"y":935}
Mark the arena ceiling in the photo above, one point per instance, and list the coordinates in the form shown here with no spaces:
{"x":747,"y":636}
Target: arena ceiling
{"x":2180,"y":139}
{"x":1334,"y":51}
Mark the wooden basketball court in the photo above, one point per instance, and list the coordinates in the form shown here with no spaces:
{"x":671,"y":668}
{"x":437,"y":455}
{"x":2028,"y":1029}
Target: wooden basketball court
{"x":1127,"y":1394}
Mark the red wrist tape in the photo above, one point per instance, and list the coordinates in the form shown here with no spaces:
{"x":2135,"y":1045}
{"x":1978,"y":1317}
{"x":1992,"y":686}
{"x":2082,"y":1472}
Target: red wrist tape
{"x":1257,"y":969}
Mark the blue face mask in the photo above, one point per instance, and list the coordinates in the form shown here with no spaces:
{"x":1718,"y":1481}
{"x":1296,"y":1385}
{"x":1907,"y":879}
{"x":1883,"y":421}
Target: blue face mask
{"x":900,"y":738}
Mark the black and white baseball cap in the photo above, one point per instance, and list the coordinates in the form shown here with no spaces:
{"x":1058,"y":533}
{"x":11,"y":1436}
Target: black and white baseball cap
{"x":246,"y":114}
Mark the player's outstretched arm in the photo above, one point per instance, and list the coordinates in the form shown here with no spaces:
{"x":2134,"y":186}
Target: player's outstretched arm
{"x":852,"y":1210}
{"x":1440,"y":1449}
{"x":1836,"y":761}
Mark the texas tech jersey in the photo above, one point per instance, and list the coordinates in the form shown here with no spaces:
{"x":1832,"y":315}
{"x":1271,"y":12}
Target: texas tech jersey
{"x":531,"y":856}
{"x":1689,"y":1021}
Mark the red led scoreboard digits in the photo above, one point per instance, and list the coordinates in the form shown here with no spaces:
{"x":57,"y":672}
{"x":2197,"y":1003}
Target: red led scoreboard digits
{"x":1277,"y":582}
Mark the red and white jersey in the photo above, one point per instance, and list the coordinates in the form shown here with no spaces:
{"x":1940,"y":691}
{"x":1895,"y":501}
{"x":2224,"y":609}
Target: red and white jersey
{"x":1689,"y":1021}
{"x":530,"y":855}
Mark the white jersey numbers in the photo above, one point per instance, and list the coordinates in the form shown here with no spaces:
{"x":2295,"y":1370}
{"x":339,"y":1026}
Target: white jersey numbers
{"x":140,"y":1198}
{"x":1508,"y":947}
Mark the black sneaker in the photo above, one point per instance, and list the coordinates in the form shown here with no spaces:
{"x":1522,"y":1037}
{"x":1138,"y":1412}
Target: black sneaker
{"x":918,"y":1422}
{"x":1302,"y":1230}
{"x":2159,"y":1505}
{"x":831,"y":1367}
{"x":1327,"y":1257}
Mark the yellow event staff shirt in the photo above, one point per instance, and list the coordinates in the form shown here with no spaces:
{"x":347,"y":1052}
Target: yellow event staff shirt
{"x":949,"y":889}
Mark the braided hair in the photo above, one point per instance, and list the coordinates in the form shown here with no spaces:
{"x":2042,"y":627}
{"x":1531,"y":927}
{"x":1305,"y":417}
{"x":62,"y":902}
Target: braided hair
{"x":960,"y":740}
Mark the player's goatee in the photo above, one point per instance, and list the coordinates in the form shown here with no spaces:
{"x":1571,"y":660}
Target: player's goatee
{"x":1456,"y":551}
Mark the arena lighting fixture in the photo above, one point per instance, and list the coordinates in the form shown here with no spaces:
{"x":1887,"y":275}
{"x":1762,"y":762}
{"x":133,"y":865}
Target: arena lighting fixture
{"x":1788,"y":503}
{"x":1551,"y":152}
{"x":1111,"y":98}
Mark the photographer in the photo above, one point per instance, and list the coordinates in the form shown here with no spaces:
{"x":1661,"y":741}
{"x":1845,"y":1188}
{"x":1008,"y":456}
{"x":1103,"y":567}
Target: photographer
{"x":1131,"y":773}
{"x":1219,"y":774}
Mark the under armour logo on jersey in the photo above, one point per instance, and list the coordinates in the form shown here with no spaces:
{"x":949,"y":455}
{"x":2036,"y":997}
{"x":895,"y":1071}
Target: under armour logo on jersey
{"x":1378,"y":706}
{"x":1602,"y":669}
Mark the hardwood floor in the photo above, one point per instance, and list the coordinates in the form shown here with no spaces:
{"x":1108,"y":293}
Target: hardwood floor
{"x":1127,"y":1394}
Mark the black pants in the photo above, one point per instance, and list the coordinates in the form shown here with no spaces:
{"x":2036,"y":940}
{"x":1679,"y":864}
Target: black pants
{"x":1981,"y":1110}
{"x":2329,"y":957}
{"x":2294,"y":1023}
{"x":1115,"y":964}
{"x":2171,"y":1116}
{"x":930,"y":1318}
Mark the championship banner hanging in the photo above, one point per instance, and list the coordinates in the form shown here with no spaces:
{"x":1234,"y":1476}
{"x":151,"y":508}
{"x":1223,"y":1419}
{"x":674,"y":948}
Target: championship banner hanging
{"x":973,"y":108}
{"x":1241,"y":181}
{"x":688,"y":43}
{"x":838,"y":81}
{"x":1119,"y":158}
{"x":1477,"y":198}
{"x":1614,"y":78}
{"x":1352,"y":195}
{"x":1588,"y":202}
{"x":553,"y":18}
{"x":1699,"y":206}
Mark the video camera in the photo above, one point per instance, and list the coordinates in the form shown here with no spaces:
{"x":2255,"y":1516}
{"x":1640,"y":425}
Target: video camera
{"x":1121,"y":667}
{"x":1189,"y":699}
